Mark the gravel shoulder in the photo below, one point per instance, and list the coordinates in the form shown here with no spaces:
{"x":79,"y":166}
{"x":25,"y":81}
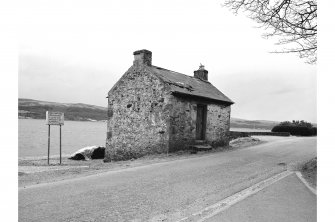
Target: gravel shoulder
{"x":36,"y":170}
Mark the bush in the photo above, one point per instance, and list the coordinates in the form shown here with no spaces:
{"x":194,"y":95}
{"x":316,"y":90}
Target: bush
{"x":314,"y":130}
{"x":295,"y":130}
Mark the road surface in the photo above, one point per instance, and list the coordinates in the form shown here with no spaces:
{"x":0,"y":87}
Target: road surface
{"x":164,"y":191}
{"x":286,"y":200}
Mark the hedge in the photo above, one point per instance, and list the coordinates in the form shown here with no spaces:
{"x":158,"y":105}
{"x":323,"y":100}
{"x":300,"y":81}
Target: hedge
{"x":296,"y":130}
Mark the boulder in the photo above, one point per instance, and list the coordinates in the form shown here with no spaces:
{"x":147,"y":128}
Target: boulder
{"x":98,"y":153}
{"x":89,"y":152}
{"x":77,"y":156}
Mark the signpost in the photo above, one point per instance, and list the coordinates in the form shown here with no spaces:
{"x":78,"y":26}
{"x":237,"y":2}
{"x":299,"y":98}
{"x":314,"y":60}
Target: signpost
{"x":55,"y":118}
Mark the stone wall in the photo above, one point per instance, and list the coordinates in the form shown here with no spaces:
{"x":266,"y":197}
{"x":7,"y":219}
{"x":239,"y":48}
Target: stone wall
{"x":237,"y":134}
{"x":218,"y":124}
{"x":268,"y":133}
{"x":138,"y":115}
{"x":183,"y":123}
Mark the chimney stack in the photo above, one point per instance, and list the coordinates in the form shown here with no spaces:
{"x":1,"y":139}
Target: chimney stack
{"x":142,"y":57}
{"x":201,"y":73}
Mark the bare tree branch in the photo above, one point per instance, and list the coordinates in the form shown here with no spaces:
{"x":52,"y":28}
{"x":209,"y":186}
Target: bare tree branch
{"x":293,"y":21}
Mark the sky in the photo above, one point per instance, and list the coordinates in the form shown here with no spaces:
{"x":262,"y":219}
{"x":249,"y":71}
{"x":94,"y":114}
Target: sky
{"x":74,"y":51}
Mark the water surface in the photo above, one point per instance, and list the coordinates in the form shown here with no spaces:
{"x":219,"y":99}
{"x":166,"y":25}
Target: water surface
{"x":33,"y":137}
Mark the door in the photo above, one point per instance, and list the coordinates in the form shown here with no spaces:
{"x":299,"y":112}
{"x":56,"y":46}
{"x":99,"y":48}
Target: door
{"x":201,"y":122}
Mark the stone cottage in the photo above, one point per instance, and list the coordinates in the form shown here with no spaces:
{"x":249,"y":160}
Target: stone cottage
{"x":156,"y":110}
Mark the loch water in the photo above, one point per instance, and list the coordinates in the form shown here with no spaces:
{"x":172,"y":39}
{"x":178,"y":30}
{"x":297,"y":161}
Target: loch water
{"x":33,"y":137}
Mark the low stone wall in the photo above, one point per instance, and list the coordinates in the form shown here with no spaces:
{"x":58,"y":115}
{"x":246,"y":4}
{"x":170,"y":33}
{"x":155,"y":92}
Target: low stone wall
{"x":269,"y":134}
{"x":237,"y":134}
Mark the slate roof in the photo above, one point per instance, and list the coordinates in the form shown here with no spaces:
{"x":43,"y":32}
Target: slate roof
{"x":189,"y":85}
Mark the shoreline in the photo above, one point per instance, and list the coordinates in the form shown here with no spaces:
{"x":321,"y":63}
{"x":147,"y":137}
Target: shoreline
{"x":43,"y":157}
{"x":87,"y":120}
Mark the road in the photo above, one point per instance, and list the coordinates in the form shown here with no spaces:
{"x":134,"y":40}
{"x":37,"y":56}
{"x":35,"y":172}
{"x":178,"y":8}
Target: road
{"x":286,"y":200}
{"x":164,"y":191}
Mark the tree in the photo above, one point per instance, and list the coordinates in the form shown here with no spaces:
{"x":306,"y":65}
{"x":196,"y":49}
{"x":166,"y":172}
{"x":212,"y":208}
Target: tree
{"x":293,"y":21}
{"x":296,"y":127}
{"x":300,"y":123}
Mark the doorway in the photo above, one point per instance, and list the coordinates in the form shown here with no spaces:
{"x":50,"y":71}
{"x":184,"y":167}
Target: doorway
{"x":201,"y":122}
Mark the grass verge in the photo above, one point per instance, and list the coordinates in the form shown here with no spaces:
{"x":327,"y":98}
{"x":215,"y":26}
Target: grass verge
{"x":309,"y":172}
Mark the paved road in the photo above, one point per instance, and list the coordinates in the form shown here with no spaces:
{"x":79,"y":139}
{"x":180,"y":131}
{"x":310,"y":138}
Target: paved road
{"x":170,"y":190}
{"x":287,"y":200}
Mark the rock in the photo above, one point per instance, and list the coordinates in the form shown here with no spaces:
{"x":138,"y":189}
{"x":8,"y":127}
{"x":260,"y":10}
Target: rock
{"x":89,"y":152}
{"x":77,"y":156}
{"x":98,"y":153}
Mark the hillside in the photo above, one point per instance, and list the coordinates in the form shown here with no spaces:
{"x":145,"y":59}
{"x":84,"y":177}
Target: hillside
{"x":35,"y":109}
{"x":252,"y":124}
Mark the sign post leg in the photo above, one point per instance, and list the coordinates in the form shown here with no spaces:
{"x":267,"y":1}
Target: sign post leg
{"x":48,"y":143}
{"x":60,"y":144}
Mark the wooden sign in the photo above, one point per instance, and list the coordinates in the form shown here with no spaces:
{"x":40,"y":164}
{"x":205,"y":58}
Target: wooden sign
{"x":55,"y":118}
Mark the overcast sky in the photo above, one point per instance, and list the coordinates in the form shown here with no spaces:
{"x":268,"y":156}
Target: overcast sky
{"x":75,"y":50}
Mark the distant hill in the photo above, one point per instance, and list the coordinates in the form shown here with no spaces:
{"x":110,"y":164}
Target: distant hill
{"x":252,"y":124}
{"x":35,"y":109}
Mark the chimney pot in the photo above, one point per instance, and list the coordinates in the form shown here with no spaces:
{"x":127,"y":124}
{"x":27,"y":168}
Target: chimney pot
{"x":143,"y":57}
{"x":201,"y":73}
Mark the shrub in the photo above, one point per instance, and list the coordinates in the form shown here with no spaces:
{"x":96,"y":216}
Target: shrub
{"x":296,"y":128}
{"x":314,"y":130}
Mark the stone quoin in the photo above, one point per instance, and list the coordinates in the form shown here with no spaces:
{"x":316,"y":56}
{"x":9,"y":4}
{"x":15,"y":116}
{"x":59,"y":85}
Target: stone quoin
{"x":155,"y":110}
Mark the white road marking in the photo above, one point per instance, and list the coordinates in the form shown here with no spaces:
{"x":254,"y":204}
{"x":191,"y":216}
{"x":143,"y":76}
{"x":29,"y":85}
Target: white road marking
{"x":224,"y":204}
{"x":305,"y":182}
